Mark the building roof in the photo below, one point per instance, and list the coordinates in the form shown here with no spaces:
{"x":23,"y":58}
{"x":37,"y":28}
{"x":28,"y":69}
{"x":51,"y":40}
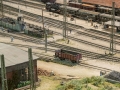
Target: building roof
{"x":13,"y":55}
{"x":104,"y":2}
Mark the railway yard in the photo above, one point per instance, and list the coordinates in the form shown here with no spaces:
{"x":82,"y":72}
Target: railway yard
{"x":81,"y":37}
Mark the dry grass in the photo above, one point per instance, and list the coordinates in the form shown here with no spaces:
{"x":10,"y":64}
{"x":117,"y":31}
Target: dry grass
{"x":48,"y":83}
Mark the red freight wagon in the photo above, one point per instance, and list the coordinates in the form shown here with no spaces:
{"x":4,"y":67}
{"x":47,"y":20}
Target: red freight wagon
{"x":65,"y":54}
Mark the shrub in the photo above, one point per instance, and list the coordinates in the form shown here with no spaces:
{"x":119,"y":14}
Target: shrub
{"x":117,"y":85}
{"x":23,"y":83}
{"x":84,"y":84}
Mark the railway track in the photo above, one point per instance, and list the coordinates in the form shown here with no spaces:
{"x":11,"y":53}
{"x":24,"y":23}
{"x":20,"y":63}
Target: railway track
{"x":85,"y":53}
{"x":89,"y":43}
{"x":29,"y":46}
{"x":22,"y":37}
{"x":88,"y":54}
{"x":82,"y":64}
{"x":94,"y":31}
{"x":59,"y":25}
{"x":115,"y":60}
{"x":44,"y":5}
{"x":36,"y":5}
{"x":48,"y":57}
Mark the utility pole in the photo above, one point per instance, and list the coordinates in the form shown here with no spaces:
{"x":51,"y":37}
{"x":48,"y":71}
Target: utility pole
{"x":45,"y":34}
{"x":31,"y":70}
{"x":112,"y":32}
{"x":3,"y":73}
{"x":2,"y":12}
{"x":18,"y":7}
{"x":2,"y":9}
{"x":45,"y":40}
{"x":64,"y":19}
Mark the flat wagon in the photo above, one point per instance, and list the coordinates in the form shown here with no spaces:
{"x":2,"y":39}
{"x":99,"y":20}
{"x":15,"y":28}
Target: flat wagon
{"x":69,"y":55}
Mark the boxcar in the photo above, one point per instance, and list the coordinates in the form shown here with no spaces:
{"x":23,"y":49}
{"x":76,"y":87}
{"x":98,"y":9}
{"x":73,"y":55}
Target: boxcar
{"x":65,"y":54}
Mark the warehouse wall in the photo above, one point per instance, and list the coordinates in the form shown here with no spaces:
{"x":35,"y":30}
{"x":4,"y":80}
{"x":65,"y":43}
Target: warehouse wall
{"x":21,"y":72}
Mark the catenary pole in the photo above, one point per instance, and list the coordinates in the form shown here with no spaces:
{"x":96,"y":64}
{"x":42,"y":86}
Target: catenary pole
{"x":64,"y":19}
{"x":31,"y":70}
{"x":45,"y":36}
{"x":3,"y":73}
{"x":112,"y":31}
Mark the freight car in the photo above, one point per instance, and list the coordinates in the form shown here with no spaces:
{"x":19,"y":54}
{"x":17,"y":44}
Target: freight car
{"x":37,"y":31}
{"x":52,"y":7}
{"x":96,"y":8}
{"x":82,"y":6}
{"x":65,"y":54}
{"x":97,"y":16}
{"x":81,"y":13}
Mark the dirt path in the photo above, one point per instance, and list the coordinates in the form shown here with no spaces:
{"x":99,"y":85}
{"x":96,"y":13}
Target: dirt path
{"x":65,"y":71}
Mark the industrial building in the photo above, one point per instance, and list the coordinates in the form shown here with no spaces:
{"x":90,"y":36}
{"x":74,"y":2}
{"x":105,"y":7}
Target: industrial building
{"x":16,"y":63}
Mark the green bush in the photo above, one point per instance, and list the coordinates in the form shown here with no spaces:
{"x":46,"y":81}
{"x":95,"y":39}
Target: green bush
{"x":117,"y":85}
{"x":84,"y":84}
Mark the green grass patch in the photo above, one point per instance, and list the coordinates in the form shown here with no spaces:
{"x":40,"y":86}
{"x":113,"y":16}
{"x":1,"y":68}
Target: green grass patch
{"x":64,"y":62}
{"x":93,"y":83}
{"x":59,"y":40}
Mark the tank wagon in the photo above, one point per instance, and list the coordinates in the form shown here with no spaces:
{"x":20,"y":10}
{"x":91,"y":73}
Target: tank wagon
{"x":65,"y":54}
